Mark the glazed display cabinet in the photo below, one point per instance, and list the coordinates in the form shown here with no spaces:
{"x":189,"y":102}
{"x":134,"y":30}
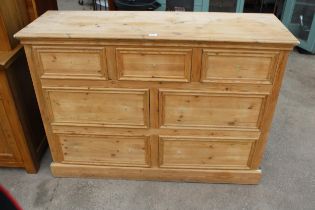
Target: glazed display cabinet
{"x":203,"y":5}
{"x":298,"y":16}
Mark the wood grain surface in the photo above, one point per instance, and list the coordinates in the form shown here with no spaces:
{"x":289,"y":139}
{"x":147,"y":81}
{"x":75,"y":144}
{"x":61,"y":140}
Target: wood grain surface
{"x":167,"y":96}
{"x":188,"y":26}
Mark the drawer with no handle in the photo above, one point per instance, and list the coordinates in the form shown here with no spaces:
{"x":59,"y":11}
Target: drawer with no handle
{"x":107,"y":107}
{"x":202,"y":109}
{"x":105,"y":150}
{"x":198,"y":152}
{"x":234,"y":65}
{"x":71,"y":62}
{"x":154,"y":64}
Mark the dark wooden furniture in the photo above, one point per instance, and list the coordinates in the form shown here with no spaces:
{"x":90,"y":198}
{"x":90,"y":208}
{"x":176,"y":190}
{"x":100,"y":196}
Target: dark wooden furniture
{"x":15,"y":14}
{"x":13,"y":17}
{"x":22,"y":136}
{"x":35,"y":8}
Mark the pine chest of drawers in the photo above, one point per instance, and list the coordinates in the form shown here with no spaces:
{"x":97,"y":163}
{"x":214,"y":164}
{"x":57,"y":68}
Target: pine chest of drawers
{"x":167,"y":96}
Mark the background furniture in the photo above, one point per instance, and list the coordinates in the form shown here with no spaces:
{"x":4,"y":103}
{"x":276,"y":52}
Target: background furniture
{"x":22,"y":136}
{"x":35,"y":8}
{"x":158,"y":101}
{"x":176,"y":5}
{"x":298,"y":16}
{"x":212,"y":5}
{"x":13,"y":17}
{"x":100,"y":4}
{"x":15,"y":14}
{"x":187,"y":5}
{"x":251,"y":6}
{"x":137,"y":5}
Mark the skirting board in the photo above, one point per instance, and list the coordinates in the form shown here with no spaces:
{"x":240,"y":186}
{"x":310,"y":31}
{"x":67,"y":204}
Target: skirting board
{"x":187,"y":175}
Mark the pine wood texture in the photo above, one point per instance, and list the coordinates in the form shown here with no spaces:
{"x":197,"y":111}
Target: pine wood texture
{"x":73,"y":63}
{"x":116,"y":107}
{"x":15,"y":14}
{"x":22,"y":136}
{"x":191,"y":102}
{"x":35,"y":8}
{"x":247,"y":66}
{"x":13,"y":17}
{"x":109,"y":150}
{"x":183,"y":152}
{"x":197,"y":26}
{"x":153,"y":64}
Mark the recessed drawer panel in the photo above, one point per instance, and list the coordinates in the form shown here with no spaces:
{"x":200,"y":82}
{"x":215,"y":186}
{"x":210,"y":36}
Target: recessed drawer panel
{"x":153,"y":64}
{"x":197,"y":152}
{"x":104,"y":107}
{"x":106,"y":150}
{"x":72,"y":63}
{"x":238,"y":66}
{"x":179,"y":108}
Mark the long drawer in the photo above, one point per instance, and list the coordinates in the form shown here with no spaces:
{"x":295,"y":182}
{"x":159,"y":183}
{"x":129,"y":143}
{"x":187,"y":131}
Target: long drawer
{"x":204,"y":152}
{"x":105,"y":150}
{"x":99,"y":107}
{"x":202,"y":109}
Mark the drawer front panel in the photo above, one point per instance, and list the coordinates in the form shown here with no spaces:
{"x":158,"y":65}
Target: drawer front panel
{"x":72,"y":63}
{"x":238,"y":66}
{"x":203,"y":109}
{"x":196,"y":152}
{"x":153,"y":64}
{"x":106,"y":150}
{"x":104,"y":107}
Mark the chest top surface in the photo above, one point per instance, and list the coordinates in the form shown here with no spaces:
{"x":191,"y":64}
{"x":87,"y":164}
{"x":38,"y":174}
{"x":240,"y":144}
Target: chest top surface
{"x":167,"y":26}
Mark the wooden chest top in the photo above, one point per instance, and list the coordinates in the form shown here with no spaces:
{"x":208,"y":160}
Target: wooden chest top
{"x":179,"y":26}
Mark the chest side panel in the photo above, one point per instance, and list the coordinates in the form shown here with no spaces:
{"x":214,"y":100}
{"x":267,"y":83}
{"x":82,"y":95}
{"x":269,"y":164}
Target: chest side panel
{"x":8,"y":148}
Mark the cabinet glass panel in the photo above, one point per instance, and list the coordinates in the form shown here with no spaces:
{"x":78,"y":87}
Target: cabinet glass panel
{"x":180,"y":5}
{"x":302,"y":18}
{"x":222,"y":5}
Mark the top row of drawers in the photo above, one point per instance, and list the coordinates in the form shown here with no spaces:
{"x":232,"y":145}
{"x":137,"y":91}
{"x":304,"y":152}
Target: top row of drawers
{"x":157,"y":64}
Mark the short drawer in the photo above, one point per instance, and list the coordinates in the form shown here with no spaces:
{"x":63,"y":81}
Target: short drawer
{"x":72,"y":62}
{"x":153,"y":64}
{"x":101,"y":107}
{"x":238,"y":66}
{"x":198,"y":109}
{"x":106,"y":150}
{"x":198,"y":152}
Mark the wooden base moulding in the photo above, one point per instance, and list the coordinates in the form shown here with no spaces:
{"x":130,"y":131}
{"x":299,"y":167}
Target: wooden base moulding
{"x":186,"y":175}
